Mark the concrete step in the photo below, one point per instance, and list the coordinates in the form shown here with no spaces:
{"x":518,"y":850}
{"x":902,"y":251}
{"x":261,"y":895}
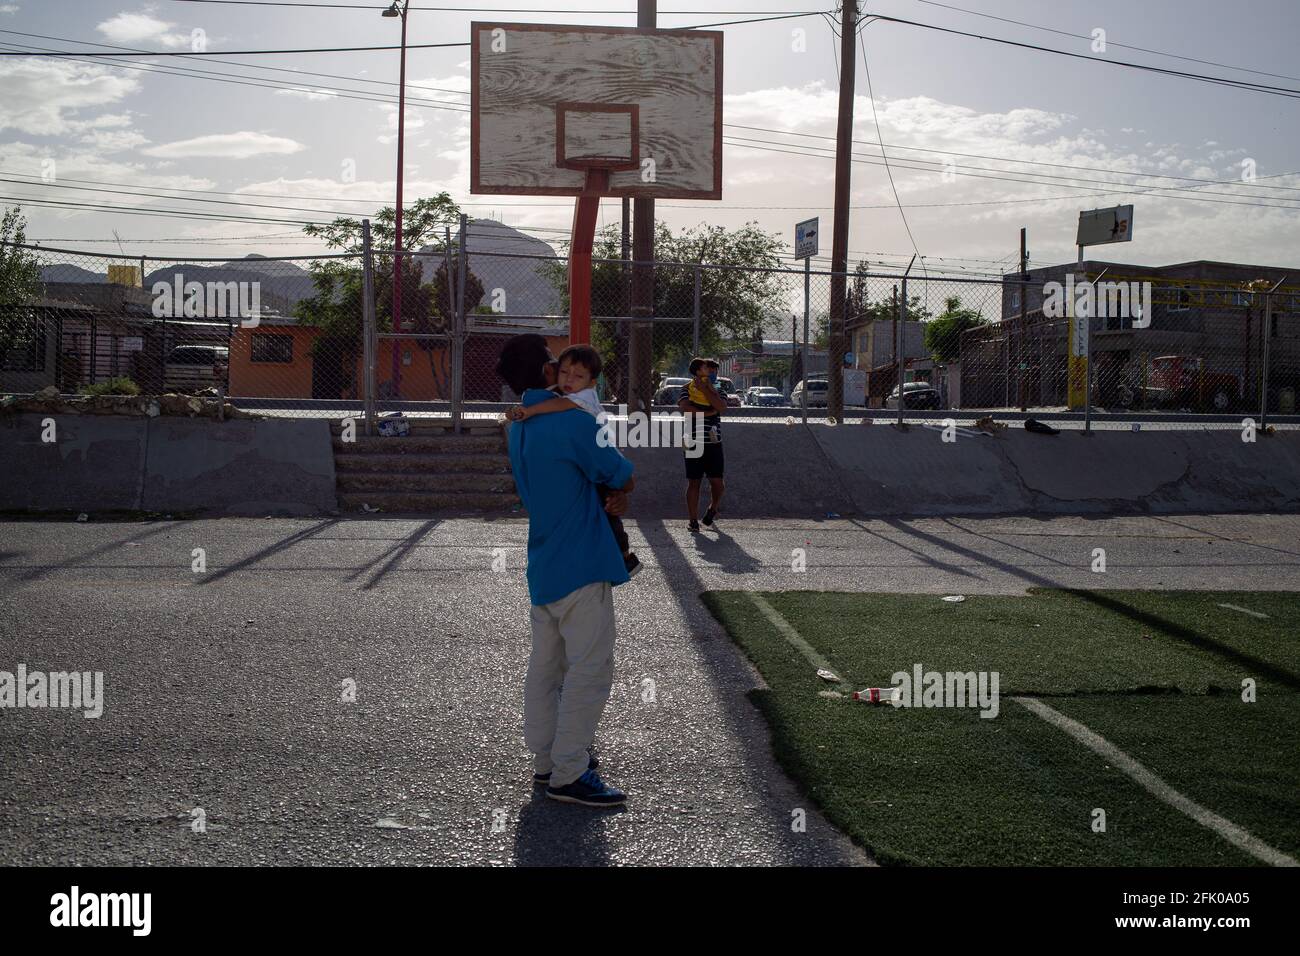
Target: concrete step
{"x":422,"y":463}
{"x":401,"y":482}
{"x":422,"y":444}
{"x":429,"y":502}
{"x":426,"y":428}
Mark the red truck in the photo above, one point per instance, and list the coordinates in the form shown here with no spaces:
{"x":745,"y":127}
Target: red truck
{"x":1183,"y":381}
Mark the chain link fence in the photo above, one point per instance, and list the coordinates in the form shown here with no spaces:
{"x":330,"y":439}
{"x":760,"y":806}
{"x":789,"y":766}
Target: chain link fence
{"x":289,"y":336}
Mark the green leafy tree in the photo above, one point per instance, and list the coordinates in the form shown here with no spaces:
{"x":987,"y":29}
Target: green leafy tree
{"x":336,"y":307}
{"x":20,"y":275}
{"x":943,"y":333}
{"x":735,"y":304}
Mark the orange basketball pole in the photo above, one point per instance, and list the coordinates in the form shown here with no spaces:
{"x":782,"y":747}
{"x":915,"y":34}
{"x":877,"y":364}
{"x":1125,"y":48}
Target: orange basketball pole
{"x":586,"y":208}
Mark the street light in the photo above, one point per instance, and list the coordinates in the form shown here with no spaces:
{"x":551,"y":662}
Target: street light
{"x":394,"y":11}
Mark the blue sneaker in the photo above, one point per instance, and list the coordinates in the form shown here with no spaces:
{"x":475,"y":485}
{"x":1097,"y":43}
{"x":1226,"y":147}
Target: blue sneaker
{"x":590,"y":791}
{"x":544,"y":778}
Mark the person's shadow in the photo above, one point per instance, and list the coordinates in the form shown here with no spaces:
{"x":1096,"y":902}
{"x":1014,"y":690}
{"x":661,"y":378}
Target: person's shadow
{"x":718,"y":547}
{"x":550,"y":833}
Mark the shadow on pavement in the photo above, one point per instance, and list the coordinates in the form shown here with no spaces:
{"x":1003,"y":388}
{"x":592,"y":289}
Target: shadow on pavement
{"x":718,"y":656}
{"x":718,"y":547}
{"x":550,"y":833}
{"x":265,"y":553}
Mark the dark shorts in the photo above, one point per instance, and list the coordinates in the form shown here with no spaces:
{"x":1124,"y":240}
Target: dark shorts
{"x":710,"y":463}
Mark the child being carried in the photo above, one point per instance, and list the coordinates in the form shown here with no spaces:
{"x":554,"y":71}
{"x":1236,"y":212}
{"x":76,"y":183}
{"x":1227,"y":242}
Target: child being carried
{"x":575,"y":374}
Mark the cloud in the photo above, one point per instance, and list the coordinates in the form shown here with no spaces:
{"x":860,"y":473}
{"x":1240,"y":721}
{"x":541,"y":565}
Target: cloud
{"x":127,"y":28}
{"x":38,"y":93}
{"x":8,"y":8}
{"x":114,"y":141}
{"x":241,"y":145}
{"x":414,"y":121}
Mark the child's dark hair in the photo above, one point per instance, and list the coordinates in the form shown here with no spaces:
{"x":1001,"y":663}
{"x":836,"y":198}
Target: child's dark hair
{"x":584,"y":355}
{"x":698,"y":361}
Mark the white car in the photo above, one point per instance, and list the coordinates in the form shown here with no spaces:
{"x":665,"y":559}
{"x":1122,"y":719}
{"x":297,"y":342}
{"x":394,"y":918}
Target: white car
{"x":818,"y":393}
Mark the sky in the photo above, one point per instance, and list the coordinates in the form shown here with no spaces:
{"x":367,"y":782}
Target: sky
{"x":982,"y":138}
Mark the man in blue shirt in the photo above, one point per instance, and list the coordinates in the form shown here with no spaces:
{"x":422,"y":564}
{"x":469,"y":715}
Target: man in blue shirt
{"x":573,"y":564}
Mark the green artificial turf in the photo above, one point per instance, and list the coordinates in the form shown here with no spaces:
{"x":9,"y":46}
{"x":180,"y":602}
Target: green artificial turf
{"x":1158,"y":674}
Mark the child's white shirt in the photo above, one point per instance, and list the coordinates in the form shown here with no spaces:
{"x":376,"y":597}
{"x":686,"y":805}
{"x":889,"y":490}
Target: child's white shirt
{"x":588,"y":401}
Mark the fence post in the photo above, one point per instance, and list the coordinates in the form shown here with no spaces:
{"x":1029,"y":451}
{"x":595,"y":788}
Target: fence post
{"x":449,"y":267}
{"x":899,"y":353}
{"x":695,"y":347}
{"x":1266,"y":339}
{"x":458,"y":330}
{"x":803,"y":355}
{"x":369,"y":342}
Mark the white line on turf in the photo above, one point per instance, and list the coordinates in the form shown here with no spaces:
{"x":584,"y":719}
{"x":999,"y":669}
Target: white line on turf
{"x":1157,"y":787}
{"x":1243,"y":610}
{"x":790,"y":634}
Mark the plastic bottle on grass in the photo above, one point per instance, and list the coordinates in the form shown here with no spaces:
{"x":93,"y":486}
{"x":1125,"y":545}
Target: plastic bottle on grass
{"x":877,"y":695}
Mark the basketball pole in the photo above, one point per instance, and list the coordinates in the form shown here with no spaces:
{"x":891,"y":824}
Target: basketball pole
{"x":586,"y":209}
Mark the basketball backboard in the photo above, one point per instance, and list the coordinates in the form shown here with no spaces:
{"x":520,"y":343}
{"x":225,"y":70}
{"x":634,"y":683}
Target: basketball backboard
{"x":550,"y":102}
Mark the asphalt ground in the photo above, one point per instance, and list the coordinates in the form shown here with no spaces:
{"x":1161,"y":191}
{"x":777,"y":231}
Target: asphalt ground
{"x":223,"y":688}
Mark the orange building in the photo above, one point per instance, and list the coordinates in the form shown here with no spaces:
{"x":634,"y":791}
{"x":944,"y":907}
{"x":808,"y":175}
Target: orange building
{"x":281,"y":359}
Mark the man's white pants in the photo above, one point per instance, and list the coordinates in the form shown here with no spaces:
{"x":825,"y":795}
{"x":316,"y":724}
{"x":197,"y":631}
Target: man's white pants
{"x":570,"y":672}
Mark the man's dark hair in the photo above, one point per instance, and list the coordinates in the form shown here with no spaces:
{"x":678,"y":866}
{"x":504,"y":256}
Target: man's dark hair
{"x":699,"y":361}
{"x":583,"y":355}
{"x":522,"y":360}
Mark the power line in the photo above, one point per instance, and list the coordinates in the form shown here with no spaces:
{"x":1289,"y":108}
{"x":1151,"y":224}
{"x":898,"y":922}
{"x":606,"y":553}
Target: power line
{"x":1128,"y":187}
{"x":366,"y":96}
{"x":1126,"y":46}
{"x":1182,"y":74}
{"x":249,"y":66}
{"x":261,"y":82}
{"x":951,"y":167}
{"x":323,"y":49}
{"x":871,"y":97}
{"x":1003,"y":159}
{"x":433,"y":9}
{"x":350,"y":49}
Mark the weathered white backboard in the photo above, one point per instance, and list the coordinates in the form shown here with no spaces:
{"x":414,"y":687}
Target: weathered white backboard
{"x":550,"y":101}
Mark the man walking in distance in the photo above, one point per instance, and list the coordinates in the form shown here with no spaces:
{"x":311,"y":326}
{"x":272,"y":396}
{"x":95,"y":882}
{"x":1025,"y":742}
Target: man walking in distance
{"x":573,"y":564}
{"x":701,"y":398}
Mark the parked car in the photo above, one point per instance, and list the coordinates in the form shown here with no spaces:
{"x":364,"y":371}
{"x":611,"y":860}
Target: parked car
{"x":671,"y":391}
{"x":818,"y":393}
{"x":729,"y":393}
{"x":190,"y":368}
{"x":921,"y":395}
{"x":1183,"y":381}
{"x":764,"y":395}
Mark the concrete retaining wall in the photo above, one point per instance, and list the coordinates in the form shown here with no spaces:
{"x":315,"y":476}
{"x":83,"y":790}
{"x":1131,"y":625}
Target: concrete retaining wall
{"x":776,"y":470}
{"x":285,"y":466}
{"x":106,"y":462}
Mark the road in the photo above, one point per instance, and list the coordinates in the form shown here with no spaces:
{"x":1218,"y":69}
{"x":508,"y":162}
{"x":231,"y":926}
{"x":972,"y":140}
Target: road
{"x":223,"y":688}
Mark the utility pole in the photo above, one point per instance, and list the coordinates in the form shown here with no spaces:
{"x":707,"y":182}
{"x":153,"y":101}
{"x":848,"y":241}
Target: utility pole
{"x":641,"y":337}
{"x":840,"y":238}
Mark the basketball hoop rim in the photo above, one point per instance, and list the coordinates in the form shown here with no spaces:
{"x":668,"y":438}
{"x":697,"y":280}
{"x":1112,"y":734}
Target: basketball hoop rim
{"x":611,"y":163}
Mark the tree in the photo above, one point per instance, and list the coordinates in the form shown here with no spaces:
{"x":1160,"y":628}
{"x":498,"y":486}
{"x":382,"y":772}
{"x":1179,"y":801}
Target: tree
{"x":735,"y":303}
{"x":20,"y":274}
{"x":336,"y":308}
{"x":943,"y":333}
{"x":422,"y":224}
